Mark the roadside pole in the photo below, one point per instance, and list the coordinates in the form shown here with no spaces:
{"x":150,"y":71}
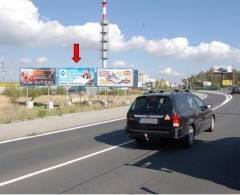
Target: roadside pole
{"x":87,"y":91}
{"x":48,"y":91}
{"x":27,"y":93}
{"x":67,"y":96}
{"x":125,"y":94}
{"x":221,"y":78}
{"x":233,"y":77}
{"x":118,"y":95}
{"x":105,"y":92}
{"x":97,"y":93}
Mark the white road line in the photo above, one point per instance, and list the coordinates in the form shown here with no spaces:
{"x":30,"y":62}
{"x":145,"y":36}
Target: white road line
{"x":61,"y":131}
{"x":205,"y":96}
{"x":62,"y":164}
{"x":228,"y":98}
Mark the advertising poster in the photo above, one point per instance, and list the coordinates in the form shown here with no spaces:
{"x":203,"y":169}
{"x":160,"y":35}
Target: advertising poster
{"x":227,"y":82}
{"x":115,"y":77}
{"x":38,"y":76}
{"x":76,"y":76}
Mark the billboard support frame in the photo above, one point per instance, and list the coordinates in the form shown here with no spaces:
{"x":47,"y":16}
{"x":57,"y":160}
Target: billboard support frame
{"x":105,"y":93}
{"x":48,"y":90}
{"x":67,"y":95}
{"x":27,"y":92}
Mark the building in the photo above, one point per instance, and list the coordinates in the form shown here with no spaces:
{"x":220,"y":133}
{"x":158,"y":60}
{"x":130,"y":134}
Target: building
{"x":142,"y":78}
{"x":163,"y":84}
{"x":144,"y":81}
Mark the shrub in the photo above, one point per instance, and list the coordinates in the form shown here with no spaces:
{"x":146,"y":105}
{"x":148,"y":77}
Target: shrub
{"x":114,"y":92}
{"x":42,"y":112}
{"x":61,"y":91}
{"x":14,"y":92}
{"x":36,"y":92}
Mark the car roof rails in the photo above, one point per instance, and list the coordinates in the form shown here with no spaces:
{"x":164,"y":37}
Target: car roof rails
{"x":154,"y":91}
{"x":178,"y":90}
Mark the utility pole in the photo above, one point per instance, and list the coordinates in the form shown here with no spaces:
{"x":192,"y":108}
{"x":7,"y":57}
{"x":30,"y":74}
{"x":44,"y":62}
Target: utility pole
{"x":3,"y":71}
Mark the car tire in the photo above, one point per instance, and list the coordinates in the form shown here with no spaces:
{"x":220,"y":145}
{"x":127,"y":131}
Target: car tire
{"x":212,"y":125}
{"x":189,"y":139}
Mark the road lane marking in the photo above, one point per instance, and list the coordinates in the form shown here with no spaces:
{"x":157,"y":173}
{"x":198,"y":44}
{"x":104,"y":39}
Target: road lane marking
{"x":228,"y":98}
{"x":61,"y":131}
{"x":204,"y":96}
{"x":63,"y":164}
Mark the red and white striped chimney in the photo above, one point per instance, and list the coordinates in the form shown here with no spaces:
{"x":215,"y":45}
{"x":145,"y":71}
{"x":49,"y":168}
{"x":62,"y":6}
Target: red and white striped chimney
{"x":104,"y":10}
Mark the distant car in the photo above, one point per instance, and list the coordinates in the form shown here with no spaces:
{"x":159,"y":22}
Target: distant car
{"x":176,"y":115}
{"x":235,"y":90}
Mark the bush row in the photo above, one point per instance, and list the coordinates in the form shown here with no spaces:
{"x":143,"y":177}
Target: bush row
{"x":16,"y":92}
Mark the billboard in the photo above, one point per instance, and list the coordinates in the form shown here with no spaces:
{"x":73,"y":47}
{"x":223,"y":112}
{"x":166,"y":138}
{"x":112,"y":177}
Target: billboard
{"x":222,"y":69}
{"x":38,"y":76}
{"x":115,"y":77}
{"x":76,"y":76}
{"x":207,"y":83}
{"x":227,"y":82}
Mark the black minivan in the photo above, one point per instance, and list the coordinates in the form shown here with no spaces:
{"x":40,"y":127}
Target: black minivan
{"x":171,"y":114}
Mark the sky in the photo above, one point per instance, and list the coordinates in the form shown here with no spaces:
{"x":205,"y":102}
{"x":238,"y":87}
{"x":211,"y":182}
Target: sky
{"x":167,"y":39}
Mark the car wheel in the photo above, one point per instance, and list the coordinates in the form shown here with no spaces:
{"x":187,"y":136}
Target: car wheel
{"x":189,"y":139}
{"x":212,"y":125}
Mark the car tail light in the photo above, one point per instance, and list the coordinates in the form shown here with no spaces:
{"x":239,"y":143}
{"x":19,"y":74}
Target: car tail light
{"x":176,"y":120}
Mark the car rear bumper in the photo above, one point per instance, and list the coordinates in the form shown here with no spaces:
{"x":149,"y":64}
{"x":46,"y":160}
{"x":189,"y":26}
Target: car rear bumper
{"x":146,"y":134}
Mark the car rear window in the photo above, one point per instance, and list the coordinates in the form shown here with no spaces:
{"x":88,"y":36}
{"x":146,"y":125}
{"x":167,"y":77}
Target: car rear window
{"x":155,"y":105}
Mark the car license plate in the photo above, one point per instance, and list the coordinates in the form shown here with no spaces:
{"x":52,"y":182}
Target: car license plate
{"x":149,"y":121}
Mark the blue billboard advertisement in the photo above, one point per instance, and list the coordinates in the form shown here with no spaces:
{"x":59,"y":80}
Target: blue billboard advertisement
{"x":76,"y":76}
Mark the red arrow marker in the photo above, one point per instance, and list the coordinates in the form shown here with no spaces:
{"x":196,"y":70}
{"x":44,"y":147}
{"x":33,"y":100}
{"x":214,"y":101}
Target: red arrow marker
{"x":76,"y":53}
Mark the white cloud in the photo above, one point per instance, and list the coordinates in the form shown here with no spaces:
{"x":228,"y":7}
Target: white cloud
{"x":21,"y":23}
{"x":170,"y":72}
{"x":119,"y":63}
{"x":42,"y":61}
{"x":25,"y":61}
{"x":179,"y":48}
{"x":39,"y":61}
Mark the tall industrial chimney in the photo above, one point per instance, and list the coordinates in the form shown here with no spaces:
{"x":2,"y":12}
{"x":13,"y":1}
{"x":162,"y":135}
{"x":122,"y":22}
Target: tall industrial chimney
{"x":104,"y":35}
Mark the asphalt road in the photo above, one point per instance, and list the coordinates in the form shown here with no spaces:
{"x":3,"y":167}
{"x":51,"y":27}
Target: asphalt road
{"x":101,"y":166}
